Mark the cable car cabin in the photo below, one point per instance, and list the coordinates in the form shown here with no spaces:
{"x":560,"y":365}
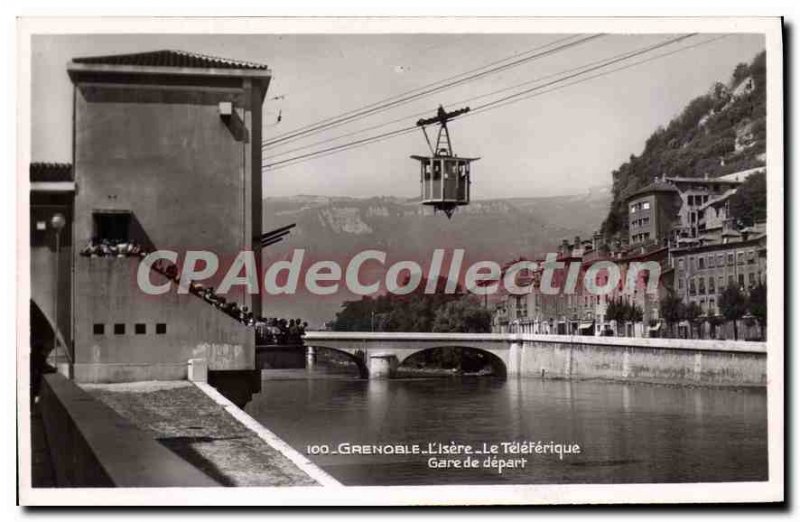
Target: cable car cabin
{"x":444,"y":176}
{"x":444,"y":181}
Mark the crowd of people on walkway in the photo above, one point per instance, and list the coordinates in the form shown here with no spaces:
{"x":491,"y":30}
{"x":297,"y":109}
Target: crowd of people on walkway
{"x":269,"y":330}
{"x":113,"y":248}
{"x":279,"y":331}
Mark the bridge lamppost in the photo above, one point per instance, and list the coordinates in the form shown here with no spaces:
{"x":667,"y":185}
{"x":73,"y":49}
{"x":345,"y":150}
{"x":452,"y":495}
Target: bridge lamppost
{"x":57,"y":223}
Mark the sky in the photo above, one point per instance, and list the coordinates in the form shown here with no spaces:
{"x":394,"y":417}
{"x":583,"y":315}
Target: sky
{"x":560,"y":142}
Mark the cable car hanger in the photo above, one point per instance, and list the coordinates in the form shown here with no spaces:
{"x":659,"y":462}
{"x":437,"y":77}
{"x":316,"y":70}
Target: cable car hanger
{"x":441,"y":118}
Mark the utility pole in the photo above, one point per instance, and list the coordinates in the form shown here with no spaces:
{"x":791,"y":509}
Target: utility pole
{"x":57,"y":222}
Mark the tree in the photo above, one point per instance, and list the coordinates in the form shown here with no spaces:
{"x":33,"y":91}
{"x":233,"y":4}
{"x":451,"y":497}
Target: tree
{"x":714,"y":321}
{"x":623,"y":312}
{"x":733,"y":305}
{"x":356,"y":316}
{"x":672,"y":310}
{"x":613,"y":311}
{"x":414,"y":312}
{"x":749,"y":204}
{"x":633,"y":313}
{"x":692,"y":313}
{"x":757,"y":304}
{"x":465,"y":315}
{"x":739,"y":73}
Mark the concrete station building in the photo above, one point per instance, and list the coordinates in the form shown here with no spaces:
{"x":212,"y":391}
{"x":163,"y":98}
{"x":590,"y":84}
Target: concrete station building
{"x":166,"y":155}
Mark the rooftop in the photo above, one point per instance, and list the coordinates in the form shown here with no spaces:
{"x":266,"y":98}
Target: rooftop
{"x":656,"y":186}
{"x":715,"y":201}
{"x":170,"y":58}
{"x":50,"y":172}
{"x":737,"y":242}
{"x":728,"y":180}
{"x":741,"y":175}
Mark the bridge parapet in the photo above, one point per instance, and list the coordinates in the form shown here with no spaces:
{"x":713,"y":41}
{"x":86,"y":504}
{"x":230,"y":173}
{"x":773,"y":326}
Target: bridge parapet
{"x":478,"y":339}
{"x":674,"y":361}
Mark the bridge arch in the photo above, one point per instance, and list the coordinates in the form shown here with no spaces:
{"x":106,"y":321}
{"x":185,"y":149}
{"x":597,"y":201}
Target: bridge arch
{"x":478,"y":358}
{"x":358,"y":357}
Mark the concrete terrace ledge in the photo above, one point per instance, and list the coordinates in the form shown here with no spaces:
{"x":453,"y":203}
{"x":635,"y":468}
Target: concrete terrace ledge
{"x":91,"y":445}
{"x":464,"y":339}
{"x":302,"y":462}
{"x":197,"y":423}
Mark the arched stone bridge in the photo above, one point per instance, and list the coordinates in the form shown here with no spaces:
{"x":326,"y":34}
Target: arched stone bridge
{"x":378,"y":354}
{"x":673,"y":361}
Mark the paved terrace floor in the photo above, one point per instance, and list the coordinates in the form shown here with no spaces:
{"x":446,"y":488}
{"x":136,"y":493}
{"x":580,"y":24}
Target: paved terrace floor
{"x":184,"y":419}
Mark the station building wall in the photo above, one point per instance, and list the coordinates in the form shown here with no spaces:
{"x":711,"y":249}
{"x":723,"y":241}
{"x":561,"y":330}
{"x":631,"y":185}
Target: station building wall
{"x":157,"y":150}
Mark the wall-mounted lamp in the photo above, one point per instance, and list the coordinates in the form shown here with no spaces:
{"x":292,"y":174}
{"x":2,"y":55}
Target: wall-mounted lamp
{"x":225,"y":110}
{"x":232,"y":120}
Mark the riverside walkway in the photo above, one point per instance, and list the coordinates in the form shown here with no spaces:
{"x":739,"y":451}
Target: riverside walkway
{"x":203,"y":432}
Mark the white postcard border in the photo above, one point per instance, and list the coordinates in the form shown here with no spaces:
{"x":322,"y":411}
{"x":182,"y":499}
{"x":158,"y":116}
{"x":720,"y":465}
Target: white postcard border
{"x":772,"y":490}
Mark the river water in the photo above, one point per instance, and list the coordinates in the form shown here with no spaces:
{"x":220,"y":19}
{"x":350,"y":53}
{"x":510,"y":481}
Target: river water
{"x":626,"y":432}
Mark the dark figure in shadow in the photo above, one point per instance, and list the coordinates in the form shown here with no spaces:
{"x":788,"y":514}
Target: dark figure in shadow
{"x":38,"y":368}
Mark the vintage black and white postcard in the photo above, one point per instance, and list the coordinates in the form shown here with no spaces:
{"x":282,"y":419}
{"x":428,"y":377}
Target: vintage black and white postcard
{"x":400,"y":261}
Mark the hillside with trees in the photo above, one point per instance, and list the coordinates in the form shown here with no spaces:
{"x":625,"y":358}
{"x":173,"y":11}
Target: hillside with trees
{"x":720,"y":132}
{"x":415,"y":312}
{"x":420,"y":312}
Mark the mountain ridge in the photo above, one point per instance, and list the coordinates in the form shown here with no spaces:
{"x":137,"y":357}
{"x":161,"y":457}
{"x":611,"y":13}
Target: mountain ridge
{"x":336,"y":228}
